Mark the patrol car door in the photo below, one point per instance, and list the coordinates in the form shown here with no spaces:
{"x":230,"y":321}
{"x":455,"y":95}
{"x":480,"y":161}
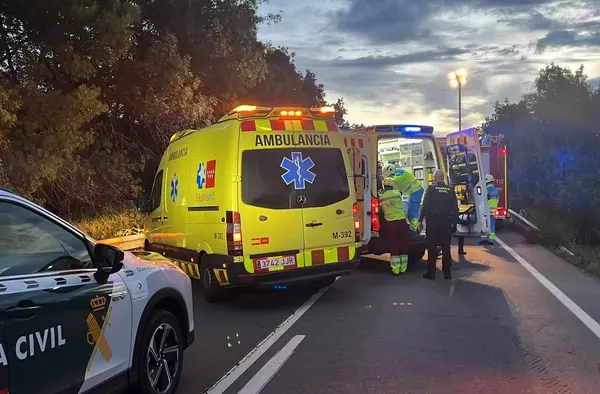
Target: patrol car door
{"x":62,"y":331}
{"x":466,"y":177}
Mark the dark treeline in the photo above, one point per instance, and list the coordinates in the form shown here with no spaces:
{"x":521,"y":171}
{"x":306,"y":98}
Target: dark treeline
{"x":553,"y":143}
{"x":92,"y":90}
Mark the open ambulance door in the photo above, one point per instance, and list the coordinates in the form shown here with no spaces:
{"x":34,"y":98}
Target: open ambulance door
{"x":362,"y":182}
{"x":467,"y":175}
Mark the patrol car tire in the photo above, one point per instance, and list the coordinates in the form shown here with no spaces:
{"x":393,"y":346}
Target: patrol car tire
{"x":159,"y":321}
{"x":209,"y":286}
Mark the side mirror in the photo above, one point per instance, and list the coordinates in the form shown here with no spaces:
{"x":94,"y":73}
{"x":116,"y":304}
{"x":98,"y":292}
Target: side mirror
{"x":109,"y":260}
{"x":143,"y":203}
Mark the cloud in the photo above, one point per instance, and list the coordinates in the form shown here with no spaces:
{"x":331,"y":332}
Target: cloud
{"x":396,"y":60}
{"x":389,"y":59}
{"x":568,"y":38}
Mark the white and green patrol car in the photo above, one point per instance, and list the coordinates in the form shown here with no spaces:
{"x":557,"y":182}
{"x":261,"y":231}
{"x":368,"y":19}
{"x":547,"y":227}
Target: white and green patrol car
{"x":82,"y":317}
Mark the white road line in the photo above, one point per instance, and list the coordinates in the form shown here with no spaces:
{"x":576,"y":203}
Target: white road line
{"x":260,"y":380}
{"x":562,"y":297}
{"x":234,"y":373}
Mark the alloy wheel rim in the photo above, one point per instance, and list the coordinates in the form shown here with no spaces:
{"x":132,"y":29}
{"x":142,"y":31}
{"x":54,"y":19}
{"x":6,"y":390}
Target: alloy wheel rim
{"x":163,"y":358}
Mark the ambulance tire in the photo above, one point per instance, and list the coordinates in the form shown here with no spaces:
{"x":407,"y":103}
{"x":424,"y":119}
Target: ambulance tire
{"x":415,"y":255}
{"x":209,"y":286}
{"x":160,"y":319}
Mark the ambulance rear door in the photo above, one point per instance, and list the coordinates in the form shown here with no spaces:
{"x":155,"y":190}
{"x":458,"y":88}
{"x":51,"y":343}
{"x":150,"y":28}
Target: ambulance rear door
{"x":466,"y":173}
{"x":358,"y":153}
{"x":270,"y":206}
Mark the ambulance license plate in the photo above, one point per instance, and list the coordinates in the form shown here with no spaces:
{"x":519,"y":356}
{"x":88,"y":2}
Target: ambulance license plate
{"x":286,"y":261}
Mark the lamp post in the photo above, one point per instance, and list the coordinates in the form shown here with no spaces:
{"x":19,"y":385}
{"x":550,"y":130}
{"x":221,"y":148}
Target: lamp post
{"x":457,"y":79}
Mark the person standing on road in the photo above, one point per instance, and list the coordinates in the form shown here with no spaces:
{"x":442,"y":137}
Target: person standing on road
{"x":408,"y":185}
{"x":396,"y":227}
{"x":440,"y":209}
{"x":493,"y":199}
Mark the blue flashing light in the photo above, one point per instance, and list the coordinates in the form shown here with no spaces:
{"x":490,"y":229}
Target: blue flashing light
{"x":405,"y":129}
{"x":280,"y":287}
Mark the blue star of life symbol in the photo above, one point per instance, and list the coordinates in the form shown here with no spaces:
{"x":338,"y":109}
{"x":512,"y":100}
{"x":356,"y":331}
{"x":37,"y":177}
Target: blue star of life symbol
{"x":298,"y":170}
{"x":201,"y":176}
{"x":174,"y":184}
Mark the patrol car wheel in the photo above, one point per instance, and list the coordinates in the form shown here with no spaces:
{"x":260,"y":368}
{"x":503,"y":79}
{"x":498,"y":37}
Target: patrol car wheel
{"x":210,"y":288}
{"x":161,"y":355}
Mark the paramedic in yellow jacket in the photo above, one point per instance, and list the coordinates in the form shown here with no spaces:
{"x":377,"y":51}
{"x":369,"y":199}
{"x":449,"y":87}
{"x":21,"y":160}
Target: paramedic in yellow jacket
{"x":396,"y":226}
{"x":493,"y":199}
{"x":407,"y":184}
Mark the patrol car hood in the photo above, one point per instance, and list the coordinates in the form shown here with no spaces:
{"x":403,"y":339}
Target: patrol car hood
{"x":135,"y":260}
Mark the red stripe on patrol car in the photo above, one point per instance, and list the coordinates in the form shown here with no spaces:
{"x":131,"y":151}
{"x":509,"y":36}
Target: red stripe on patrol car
{"x":343,"y":253}
{"x":248,"y":125}
{"x":277,"y":125}
{"x":317,"y":257}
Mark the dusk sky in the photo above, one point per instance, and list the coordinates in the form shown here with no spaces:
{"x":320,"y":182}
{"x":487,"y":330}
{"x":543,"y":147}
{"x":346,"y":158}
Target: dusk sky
{"x":389,"y":59}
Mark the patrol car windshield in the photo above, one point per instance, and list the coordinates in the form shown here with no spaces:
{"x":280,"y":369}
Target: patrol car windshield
{"x":414,"y":154}
{"x":274,"y":178}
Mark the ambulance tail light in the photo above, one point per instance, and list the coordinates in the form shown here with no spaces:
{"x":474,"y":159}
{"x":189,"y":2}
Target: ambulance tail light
{"x":234,"y":234}
{"x":355,"y":212}
{"x":500,"y":212}
{"x":375,"y":224}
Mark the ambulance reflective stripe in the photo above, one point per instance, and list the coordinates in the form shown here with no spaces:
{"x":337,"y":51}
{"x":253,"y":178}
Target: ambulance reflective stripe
{"x":354,"y":142}
{"x":412,"y":187}
{"x":190,"y":269}
{"x":329,"y":256}
{"x":288,"y":125}
{"x":311,"y":257}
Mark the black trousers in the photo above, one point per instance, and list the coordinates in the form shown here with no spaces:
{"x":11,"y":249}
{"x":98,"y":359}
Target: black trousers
{"x":461,"y":244}
{"x":439,"y":233}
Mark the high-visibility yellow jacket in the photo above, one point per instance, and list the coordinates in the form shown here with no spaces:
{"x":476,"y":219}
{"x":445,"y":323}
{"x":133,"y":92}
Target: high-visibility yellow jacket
{"x":391,"y":205}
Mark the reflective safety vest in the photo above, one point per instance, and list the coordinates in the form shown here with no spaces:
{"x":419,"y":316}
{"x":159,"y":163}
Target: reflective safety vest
{"x":391,"y":205}
{"x":494,"y":198}
{"x":406,"y":183}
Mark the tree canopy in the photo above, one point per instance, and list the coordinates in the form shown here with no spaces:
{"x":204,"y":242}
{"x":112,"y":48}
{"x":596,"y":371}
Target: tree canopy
{"x":92,"y":90}
{"x":553,"y":142}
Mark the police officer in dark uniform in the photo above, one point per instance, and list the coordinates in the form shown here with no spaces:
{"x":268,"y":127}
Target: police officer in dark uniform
{"x":440,"y":208}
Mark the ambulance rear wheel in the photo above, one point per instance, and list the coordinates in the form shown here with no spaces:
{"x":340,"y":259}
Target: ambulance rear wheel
{"x":209,"y":286}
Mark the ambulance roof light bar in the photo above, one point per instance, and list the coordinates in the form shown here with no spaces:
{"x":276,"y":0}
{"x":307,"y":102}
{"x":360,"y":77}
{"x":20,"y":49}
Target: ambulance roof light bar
{"x":246,"y":111}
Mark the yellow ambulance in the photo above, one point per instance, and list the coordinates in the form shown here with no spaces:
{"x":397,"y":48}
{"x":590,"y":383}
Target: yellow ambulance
{"x":264,"y":196}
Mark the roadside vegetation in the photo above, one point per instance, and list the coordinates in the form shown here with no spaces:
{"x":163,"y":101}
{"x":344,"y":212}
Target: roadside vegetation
{"x":553,"y":143}
{"x":91,"y":91}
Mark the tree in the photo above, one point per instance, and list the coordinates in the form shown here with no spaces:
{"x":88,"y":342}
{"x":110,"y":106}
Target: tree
{"x":552,"y":143}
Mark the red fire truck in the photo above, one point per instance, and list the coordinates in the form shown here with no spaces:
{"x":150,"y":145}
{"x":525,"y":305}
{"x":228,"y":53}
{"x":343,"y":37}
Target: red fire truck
{"x":494,"y":156}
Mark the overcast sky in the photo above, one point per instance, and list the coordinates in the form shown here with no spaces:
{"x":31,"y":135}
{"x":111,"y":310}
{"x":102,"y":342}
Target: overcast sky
{"x":389,"y":59}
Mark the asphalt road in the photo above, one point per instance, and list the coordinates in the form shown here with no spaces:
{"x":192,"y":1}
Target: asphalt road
{"x":494,"y":328}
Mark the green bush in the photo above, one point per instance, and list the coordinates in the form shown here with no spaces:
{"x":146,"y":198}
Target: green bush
{"x":112,"y":224}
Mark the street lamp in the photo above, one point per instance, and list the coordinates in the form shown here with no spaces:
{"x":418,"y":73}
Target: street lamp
{"x":457,"y":79}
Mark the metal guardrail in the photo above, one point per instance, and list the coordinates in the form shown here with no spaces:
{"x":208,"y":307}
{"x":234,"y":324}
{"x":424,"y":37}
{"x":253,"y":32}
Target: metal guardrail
{"x":531,"y":230}
{"x":130,"y":242}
